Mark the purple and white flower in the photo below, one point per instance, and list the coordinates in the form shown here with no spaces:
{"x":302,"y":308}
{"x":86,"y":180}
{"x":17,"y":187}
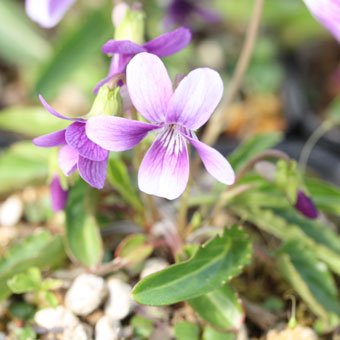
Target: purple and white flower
{"x":174,"y":115}
{"x":122,"y":51}
{"x":47,"y":13}
{"x":77,"y":150}
{"x":327,"y":12}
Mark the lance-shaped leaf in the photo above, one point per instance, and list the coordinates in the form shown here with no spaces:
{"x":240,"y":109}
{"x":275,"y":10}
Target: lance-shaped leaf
{"x":213,"y":264}
{"x":310,"y":278}
{"x":210,"y":333}
{"x":82,"y":232}
{"x":221,"y":308}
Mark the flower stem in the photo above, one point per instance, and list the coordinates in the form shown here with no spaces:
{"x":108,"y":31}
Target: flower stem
{"x":182,"y":212}
{"x":220,"y":119}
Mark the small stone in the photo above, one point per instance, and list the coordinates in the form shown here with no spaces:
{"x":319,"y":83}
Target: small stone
{"x":297,"y":333}
{"x":52,"y":318}
{"x":11,"y":211}
{"x":79,"y":332}
{"x":152,"y":266}
{"x":120,"y":303}
{"x":85,"y":294}
{"x":107,"y":329}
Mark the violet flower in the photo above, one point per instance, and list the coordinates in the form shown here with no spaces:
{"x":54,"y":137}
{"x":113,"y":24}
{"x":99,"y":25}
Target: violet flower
{"x":175,"y":115}
{"x":47,"y":13}
{"x":327,"y":12}
{"x":182,"y":12}
{"x":58,"y":195}
{"x":124,"y":50}
{"x":76,"y":151}
{"x":305,"y":205}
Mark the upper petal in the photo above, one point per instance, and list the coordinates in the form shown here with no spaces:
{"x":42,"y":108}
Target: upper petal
{"x":68,"y":159}
{"x":116,"y":133}
{"x":169,"y":43}
{"x":149,"y":86}
{"x":164,"y":171}
{"x":76,"y":137}
{"x":47,"y":13}
{"x":92,"y":172}
{"x":52,"y":111}
{"x":214,"y":162}
{"x":51,"y":139}
{"x":195,"y":98}
{"x":122,"y":47}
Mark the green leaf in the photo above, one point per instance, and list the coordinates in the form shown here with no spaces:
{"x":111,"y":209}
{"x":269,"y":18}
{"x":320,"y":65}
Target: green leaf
{"x":251,"y":147}
{"x":22,"y":310}
{"x":134,"y":249}
{"x":310,"y":278}
{"x":118,"y":177}
{"x":82,"y":232}
{"x":143,"y":327}
{"x":212,"y":265}
{"x":326,"y":196}
{"x":20,"y":42}
{"x":221,"y":308}
{"x":42,"y":250}
{"x":22,"y":164}
{"x":28,"y":281}
{"x":185,"y":330}
{"x":73,"y":51}
{"x":29,"y":121}
{"x":288,"y":224}
{"x":210,"y":333}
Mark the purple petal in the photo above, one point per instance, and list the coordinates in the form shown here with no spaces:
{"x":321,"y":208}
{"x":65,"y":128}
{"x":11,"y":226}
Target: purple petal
{"x":92,"y":172}
{"x":47,"y":13}
{"x":51,"y":110}
{"x":164,"y":171}
{"x":169,"y":43}
{"x":68,"y":159}
{"x":58,"y":195}
{"x":51,"y":139}
{"x":327,"y":12}
{"x":306,"y":206}
{"x":116,"y":133}
{"x":214,"y":162}
{"x":76,"y":137}
{"x":195,"y":98}
{"x":149,"y":86}
{"x":122,"y":47}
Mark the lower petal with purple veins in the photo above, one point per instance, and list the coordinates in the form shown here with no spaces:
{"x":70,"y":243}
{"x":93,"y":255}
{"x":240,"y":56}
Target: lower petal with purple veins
{"x":92,"y":172}
{"x":68,"y":159}
{"x":214,"y":162}
{"x":164,"y":171}
{"x":76,"y":137}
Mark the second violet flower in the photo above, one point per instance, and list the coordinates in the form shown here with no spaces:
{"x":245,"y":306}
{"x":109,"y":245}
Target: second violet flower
{"x":174,"y":115}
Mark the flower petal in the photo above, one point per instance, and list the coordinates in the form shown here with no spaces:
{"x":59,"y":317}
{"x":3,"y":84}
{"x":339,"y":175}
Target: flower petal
{"x":52,"y":111}
{"x":47,"y":13}
{"x":58,"y":195}
{"x":67,"y":159}
{"x":195,"y":98}
{"x":169,"y":43}
{"x":164,"y":171}
{"x":51,"y":139}
{"x":149,"y":86}
{"x":214,"y":162}
{"x":92,"y":172}
{"x":122,"y":47}
{"x":76,"y":137}
{"x":116,"y":133}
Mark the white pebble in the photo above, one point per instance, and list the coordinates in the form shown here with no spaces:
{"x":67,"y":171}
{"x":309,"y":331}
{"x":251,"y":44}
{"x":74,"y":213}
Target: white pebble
{"x":120,"y":303}
{"x":79,"y":332}
{"x":86,"y":294}
{"x":107,"y":329}
{"x":11,"y":211}
{"x":59,"y":317}
{"x":152,"y":266}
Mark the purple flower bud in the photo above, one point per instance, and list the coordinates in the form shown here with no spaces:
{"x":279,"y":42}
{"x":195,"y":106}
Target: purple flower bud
{"x":306,"y":206}
{"x":58,"y":195}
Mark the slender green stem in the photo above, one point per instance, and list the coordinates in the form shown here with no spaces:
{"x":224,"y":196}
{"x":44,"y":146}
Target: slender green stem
{"x":311,"y":142}
{"x":183,"y":211}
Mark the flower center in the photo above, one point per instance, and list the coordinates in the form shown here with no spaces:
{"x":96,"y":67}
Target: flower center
{"x":171,"y":139}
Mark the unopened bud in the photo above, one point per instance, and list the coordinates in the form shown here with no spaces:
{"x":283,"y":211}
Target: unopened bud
{"x":305,"y":205}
